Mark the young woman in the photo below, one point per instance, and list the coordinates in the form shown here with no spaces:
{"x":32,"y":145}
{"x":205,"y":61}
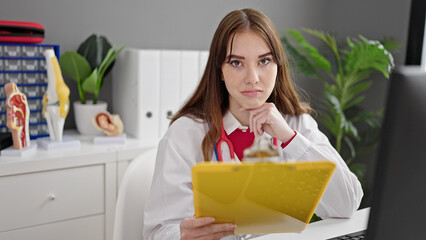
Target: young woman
{"x":245,"y":91}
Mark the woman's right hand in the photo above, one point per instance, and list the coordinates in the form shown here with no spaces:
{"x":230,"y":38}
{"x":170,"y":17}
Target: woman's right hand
{"x":204,"y":228}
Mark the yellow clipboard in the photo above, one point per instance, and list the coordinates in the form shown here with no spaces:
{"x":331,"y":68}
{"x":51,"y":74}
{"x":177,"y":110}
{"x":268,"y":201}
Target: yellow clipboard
{"x":260,"y":197}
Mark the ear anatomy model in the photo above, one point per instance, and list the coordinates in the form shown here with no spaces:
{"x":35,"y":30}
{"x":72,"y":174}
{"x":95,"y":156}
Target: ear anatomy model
{"x":56,"y":103}
{"x":109,"y":124}
{"x":18,"y":115}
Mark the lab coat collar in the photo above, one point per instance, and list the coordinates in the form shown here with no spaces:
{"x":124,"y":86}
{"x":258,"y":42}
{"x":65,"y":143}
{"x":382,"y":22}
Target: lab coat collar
{"x":230,"y":123}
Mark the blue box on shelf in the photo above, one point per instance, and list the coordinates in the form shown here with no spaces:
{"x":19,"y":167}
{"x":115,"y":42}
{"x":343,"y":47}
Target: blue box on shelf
{"x":25,"y":65}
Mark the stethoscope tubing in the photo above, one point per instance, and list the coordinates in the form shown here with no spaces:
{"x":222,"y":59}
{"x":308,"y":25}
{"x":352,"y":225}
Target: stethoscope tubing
{"x":224,"y":138}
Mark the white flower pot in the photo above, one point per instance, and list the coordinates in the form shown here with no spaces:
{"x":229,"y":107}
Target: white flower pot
{"x":83,"y":114}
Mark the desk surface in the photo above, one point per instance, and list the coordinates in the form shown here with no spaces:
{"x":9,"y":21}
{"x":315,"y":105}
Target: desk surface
{"x":328,"y":228}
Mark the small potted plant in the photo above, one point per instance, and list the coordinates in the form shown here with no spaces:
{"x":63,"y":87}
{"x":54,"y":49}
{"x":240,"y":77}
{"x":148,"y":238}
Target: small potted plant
{"x":88,"y":66}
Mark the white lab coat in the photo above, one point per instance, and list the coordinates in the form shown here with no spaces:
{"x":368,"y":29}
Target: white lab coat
{"x":171,"y":198}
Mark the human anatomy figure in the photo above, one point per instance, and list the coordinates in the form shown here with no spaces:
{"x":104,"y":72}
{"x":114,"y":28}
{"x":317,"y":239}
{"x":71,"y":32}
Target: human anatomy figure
{"x":107,"y":123}
{"x":18,"y":115}
{"x":56,"y":102}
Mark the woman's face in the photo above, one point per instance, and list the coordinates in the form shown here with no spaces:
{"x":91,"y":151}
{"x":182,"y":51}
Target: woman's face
{"x":251,"y":72}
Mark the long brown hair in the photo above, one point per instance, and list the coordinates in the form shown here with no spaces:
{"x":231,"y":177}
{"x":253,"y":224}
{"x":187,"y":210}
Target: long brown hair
{"x":210,"y":101}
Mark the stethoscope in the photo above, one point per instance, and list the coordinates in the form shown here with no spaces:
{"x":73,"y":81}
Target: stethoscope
{"x":224,"y":138}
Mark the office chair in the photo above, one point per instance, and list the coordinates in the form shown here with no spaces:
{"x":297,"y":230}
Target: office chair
{"x":134,"y":190}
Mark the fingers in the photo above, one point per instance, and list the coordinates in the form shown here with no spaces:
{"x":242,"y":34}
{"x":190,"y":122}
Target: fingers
{"x":259,"y":117}
{"x":258,"y":122}
{"x":204,"y":228}
{"x":268,"y":118}
{"x":255,"y":115}
{"x":217,"y":236}
{"x":189,"y":223}
{"x":220,"y":229}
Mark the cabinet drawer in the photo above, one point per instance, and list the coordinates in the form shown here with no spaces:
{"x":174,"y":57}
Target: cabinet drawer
{"x":43,"y":197}
{"x":88,"y":228}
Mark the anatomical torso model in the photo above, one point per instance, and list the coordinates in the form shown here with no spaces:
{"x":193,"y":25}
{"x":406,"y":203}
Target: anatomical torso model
{"x":18,"y":115}
{"x":56,"y":99}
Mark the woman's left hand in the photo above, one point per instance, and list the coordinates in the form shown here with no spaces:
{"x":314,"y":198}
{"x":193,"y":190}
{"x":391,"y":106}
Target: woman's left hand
{"x":267,"y":118}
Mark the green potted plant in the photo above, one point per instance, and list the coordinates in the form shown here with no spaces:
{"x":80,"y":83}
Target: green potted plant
{"x":88,"y":66}
{"x":345,"y":77}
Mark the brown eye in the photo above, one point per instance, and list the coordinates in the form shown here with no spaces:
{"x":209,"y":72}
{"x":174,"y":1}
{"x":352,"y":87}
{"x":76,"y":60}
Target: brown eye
{"x":235,"y":63}
{"x":265,"y":61}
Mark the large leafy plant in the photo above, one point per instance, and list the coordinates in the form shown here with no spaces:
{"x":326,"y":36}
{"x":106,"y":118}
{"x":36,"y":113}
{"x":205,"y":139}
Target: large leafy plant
{"x":345,"y":76}
{"x":88,"y":66}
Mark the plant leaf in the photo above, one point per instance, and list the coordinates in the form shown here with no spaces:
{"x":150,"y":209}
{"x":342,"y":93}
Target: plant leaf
{"x":108,"y":62}
{"x":331,"y":43}
{"x":335,"y":119}
{"x":302,"y":63}
{"x":366,"y":55}
{"x":325,"y":37}
{"x":390,"y":44}
{"x":327,"y":120}
{"x":360,"y":87}
{"x":86,"y":45}
{"x":350,"y":43}
{"x":306,"y":49}
{"x":359,"y":169}
{"x":351,"y":79}
{"x":331,"y":88}
{"x":334,"y":102}
{"x":351,"y":146}
{"x":354,"y":102}
{"x":349,"y":128}
{"x":75,"y":66}
{"x":94,"y":49}
{"x":106,"y":59}
{"x":371,"y":118}
{"x":352,"y":92}
{"x":90,"y":83}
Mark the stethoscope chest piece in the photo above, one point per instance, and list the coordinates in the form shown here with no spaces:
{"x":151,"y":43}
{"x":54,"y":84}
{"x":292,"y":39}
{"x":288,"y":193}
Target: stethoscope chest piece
{"x":261,"y":151}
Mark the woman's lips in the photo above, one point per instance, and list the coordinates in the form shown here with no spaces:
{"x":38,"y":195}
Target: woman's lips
{"x":251,"y":92}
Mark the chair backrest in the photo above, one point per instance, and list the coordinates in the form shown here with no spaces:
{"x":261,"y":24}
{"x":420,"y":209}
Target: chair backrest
{"x":134,"y":189}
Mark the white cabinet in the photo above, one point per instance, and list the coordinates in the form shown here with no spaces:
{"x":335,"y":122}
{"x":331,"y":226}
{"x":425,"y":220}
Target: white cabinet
{"x":62,"y":194}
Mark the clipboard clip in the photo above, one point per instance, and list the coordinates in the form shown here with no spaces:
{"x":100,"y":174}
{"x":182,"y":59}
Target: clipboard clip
{"x":262,"y":150}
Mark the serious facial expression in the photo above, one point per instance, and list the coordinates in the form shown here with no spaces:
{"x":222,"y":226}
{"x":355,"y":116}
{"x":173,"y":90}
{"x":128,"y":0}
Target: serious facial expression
{"x":249,"y":71}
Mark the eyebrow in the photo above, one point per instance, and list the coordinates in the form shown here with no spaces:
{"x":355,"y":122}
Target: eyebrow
{"x":264,"y":55}
{"x":241,"y":57}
